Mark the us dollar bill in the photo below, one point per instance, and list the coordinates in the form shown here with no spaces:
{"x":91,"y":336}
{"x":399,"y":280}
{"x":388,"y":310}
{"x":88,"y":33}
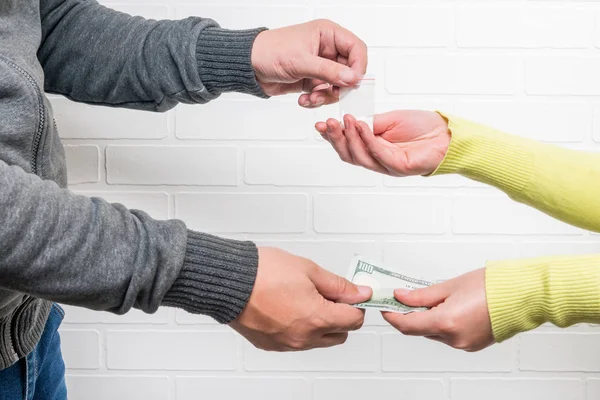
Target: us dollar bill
{"x":383,"y":280}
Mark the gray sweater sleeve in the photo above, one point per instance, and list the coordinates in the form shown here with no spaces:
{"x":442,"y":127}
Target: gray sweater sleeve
{"x":86,"y":252}
{"x":96,"y":55}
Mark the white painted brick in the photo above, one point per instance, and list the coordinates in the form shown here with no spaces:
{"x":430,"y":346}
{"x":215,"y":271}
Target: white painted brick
{"x":566,"y":75}
{"x":570,"y":121}
{"x":248,"y":16}
{"x":118,"y":387}
{"x":543,"y":249}
{"x":253,"y":120}
{"x":559,"y":352}
{"x":357,"y":354}
{"x":360,"y":389}
{"x":451,"y":74}
{"x":597,"y":30}
{"x":517,"y":26}
{"x":539,"y":51}
{"x":596,"y":123}
{"x":332,"y":255}
{"x":83,"y":164}
{"x":517,"y":389}
{"x":78,"y":315}
{"x":154,"y":203}
{"x":295,"y":166}
{"x":444,"y":260}
{"x":80,"y":348}
{"x":381,"y":213}
{"x":82,"y":121}
{"x":238,"y":388}
{"x":171,"y":350}
{"x":592,"y":389}
{"x":185,"y":318}
{"x":243,"y":213}
{"x":394,"y":26}
{"x":172,"y":165}
{"x":500,"y":215}
{"x":415,"y":354}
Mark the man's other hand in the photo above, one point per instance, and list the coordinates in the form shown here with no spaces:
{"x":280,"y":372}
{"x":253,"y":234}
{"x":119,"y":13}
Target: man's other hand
{"x":297,"y":305}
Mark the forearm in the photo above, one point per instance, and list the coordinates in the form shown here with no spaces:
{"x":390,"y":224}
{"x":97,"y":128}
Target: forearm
{"x":560,"y":182}
{"x":524,"y":294}
{"x":86,"y":252}
{"x":96,"y":55}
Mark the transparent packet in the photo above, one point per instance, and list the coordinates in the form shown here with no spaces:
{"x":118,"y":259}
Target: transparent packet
{"x":359,"y":100}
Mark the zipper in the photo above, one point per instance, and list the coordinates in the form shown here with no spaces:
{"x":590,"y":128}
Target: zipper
{"x":41,"y":114}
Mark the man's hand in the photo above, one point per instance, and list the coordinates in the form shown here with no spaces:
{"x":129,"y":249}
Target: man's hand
{"x":459,"y":317}
{"x":293,"y":305}
{"x":404,"y":142}
{"x":317,"y":57}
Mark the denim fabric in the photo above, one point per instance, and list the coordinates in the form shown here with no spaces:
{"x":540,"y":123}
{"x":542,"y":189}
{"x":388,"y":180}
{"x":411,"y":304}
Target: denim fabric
{"x":40,"y":375}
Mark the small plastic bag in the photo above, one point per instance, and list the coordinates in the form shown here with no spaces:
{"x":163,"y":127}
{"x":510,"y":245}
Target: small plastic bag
{"x":359,"y":101}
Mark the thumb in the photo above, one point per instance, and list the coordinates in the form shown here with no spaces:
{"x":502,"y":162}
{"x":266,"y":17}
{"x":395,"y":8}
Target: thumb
{"x":338,"y":289}
{"x":332,"y":72}
{"x":426,"y":297}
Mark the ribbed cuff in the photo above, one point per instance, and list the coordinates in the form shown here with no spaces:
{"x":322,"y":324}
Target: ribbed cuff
{"x":217,"y":277}
{"x":524,"y":294}
{"x":486,"y":155}
{"x":225,"y":61}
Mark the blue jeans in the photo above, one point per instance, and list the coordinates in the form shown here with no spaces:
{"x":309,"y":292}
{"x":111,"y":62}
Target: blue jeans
{"x":40,"y":375}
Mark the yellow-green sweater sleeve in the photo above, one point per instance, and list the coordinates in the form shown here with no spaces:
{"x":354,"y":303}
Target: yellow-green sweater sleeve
{"x":522,"y":294}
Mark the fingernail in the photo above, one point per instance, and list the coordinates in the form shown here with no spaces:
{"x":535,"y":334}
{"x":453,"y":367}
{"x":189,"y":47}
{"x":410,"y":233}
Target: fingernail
{"x":320,"y":102}
{"x":401,"y":292}
{"x":305,"y":103}
{"x":348,"y":76}
{"x":365,"y":291}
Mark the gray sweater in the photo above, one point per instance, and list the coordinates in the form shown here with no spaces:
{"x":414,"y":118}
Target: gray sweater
{"x":56,"y":246}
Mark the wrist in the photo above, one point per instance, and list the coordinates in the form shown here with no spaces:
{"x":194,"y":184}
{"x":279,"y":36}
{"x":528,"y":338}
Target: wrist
{"x":526,"y":293}
{"x":217,"y":277}
{"x":515,"y":297}
{"x":224,"y":59}
{"x":257,"y":56}
{"x":486,"y":155}
{"x":441,"y":144}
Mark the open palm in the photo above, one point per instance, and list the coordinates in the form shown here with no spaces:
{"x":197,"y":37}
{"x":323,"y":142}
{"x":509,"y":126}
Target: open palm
{"x":403,"y":143}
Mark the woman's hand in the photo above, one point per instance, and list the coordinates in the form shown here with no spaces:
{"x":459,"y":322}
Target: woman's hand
{"x":403,"y":143}
{"x":458,"y":316}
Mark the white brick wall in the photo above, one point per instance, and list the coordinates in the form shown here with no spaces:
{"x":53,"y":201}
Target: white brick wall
{"x":251,"y":169}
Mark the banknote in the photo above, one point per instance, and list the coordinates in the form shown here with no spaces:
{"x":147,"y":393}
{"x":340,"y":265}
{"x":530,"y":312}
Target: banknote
{"x":384,"y":280}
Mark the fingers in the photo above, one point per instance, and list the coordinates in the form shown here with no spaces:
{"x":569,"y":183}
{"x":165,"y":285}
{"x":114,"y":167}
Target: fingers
{"x":334,"y":134}
{"x":349,"y":46}
{"x":379,"y":149}
{"x":430,"y":296}
{"x":335,"y":288}
{"x":333,"y":339}
{"x":329,"y":71}
{"x":340,"y":318}
{"x":321,"y":127}
{"x":416,"y":324}
{"x":385,"y":121}
{"x":358,"y":151}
